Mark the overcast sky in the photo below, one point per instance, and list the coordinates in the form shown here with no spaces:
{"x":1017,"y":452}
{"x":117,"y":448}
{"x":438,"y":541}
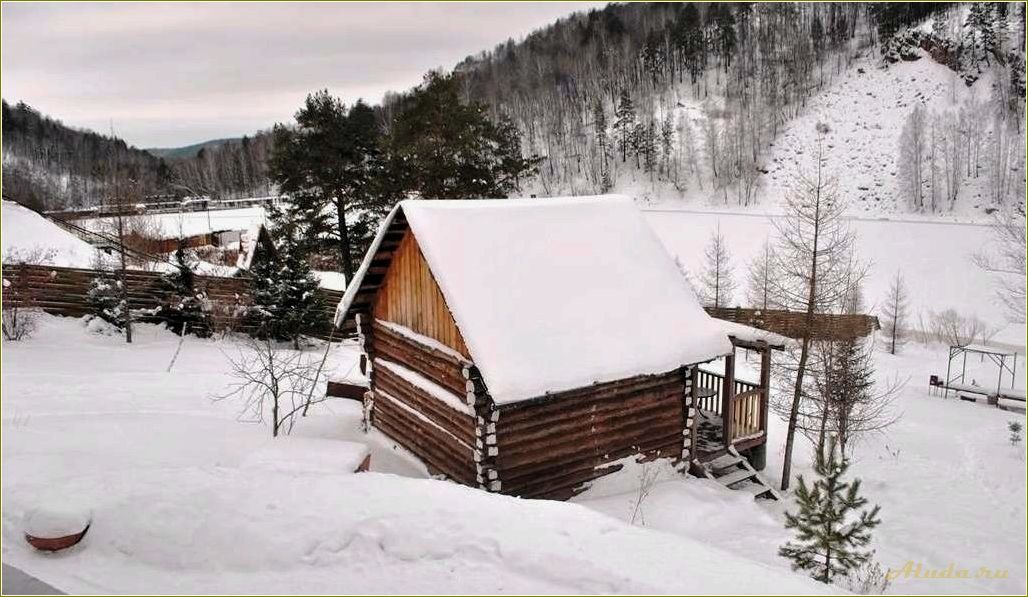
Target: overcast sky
{"x":171,"y":74}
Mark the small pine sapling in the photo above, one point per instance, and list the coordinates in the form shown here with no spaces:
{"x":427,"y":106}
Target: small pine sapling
{"x":1015,"y":428}
{"x":831,"y":525}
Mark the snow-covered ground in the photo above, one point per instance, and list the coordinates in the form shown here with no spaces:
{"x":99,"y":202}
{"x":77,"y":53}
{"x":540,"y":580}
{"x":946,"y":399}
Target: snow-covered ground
{"x":186,"y":498}
{"x":934,"y":257}
{"x":865,"y":110}
{"x":28,"y":235}
{"x":190,"y":223}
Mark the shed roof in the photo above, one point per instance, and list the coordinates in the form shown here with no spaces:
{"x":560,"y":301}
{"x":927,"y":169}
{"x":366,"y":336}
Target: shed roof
{"x":556,"y":294}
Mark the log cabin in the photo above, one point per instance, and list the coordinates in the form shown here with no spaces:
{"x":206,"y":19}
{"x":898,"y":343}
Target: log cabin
{"x":530,"y":346}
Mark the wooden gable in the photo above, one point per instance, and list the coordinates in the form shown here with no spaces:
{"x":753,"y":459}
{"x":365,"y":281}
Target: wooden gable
{"x":410,"y":296}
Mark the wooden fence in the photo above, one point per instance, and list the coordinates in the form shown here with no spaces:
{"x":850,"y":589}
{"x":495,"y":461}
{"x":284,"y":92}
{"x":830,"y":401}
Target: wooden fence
{"x":792,"y":323}
{"x":64,"y":291}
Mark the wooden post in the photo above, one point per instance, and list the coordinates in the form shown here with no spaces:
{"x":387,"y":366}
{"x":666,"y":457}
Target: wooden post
{"x":765,"y":383}
{"x":727,"y":393}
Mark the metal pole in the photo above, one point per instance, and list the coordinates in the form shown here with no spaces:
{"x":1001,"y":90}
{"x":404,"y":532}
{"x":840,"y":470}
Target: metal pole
{"x":949,"y":363}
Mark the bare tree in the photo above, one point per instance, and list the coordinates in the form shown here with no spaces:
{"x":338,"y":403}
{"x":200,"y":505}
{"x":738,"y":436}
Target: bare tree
{"x":19,"y":299}
{"x":716,"y":281}
{"x":913,"y":144}
{"x":955,"y":329}
{"x":758,"y":291}
{"x":271,"y":378}
{"x":894,"y":311}
{"x":813,"y":269}
{"x":853,"y":404}
{"x":1005,"y":258}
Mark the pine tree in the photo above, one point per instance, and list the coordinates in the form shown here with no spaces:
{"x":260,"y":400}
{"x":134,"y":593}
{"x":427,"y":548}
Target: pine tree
{"x":106,"y":300}
{"x":830,"y":524}
{"x":717,"y":285}
{"x":444,"y":148}
{"x":329,"y":165}
{"x":286,"y":303}
{"x":624,"y":123}
{"x":185,"y":310}
{"x":894,"y":311}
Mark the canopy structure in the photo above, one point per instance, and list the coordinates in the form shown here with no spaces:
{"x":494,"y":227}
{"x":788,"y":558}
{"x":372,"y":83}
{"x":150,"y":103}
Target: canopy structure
{"x":1006,"y":363}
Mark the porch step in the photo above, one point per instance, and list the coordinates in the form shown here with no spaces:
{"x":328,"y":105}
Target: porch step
{"x":739,"y":474}
{"x":725,"y":461}
{"x":735,"y":473}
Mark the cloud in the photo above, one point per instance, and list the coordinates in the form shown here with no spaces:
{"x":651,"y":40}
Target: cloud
{"x":176,"y":73}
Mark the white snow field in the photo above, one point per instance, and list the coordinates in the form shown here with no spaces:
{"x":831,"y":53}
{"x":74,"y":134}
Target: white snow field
{"x":26,"y":233}
{"x":934,"y":257}
{"x":191,"y":223}
{"x":184,"y":497}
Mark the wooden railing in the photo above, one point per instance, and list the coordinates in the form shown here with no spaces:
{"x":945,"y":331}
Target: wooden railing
{"x":746,"y":414}
{"x":714,"y":384}
{"x":748,"y":406}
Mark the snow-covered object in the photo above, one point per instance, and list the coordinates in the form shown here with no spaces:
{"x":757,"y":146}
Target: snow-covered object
{"x":298,"y":455}
{"x":752,"y":334}
{"x":55,"y":519}
{"x":26,"y":233}
{"x":556,"y":294}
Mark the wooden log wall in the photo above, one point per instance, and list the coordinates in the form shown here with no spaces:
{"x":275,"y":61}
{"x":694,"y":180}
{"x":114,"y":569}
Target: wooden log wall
{"x":64,"y":291}
{"x":552,"y":447}
{"x":444,"y":438}
{"x":828,"y":326}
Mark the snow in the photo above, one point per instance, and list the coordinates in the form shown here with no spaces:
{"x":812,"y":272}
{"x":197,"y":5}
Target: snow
{"x":575,"y":290}
{"x":950,"y":484}
{"x":433,"y":389}
{"x":934,"y":257}
{"x":752,"y":334}
{"x":25,"y":233}
{"x":316,"y":456}
{"x":191,"y":223}
{"x":57,"y":518}
{"x":423,"y":339}
{"x":865,"y":112}
{"x":187,"y":499}
{"x":331,"y":280}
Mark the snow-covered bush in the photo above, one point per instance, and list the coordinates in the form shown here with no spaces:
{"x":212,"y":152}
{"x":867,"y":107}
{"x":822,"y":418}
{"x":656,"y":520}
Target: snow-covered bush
{"x":19,"y":304}
{"x":867,"y":579}
{"x":104,"y":298}
{"x":186,"y":309}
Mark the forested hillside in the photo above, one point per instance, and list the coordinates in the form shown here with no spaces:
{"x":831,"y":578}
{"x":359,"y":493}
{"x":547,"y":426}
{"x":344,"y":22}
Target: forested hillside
{"x":699,"y":102}
{"x":672,"y":100}
{"x":48,"y":165}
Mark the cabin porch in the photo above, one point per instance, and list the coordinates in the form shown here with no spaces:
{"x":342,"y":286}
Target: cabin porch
{"x":731,"y":411}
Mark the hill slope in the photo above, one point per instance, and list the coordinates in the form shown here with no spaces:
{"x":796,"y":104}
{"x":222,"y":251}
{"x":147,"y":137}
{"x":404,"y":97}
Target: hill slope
{"x":189,"y":151}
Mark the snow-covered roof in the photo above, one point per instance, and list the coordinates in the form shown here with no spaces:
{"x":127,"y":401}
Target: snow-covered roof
{"x":556,"y":294}
{"x":751,"y":334}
